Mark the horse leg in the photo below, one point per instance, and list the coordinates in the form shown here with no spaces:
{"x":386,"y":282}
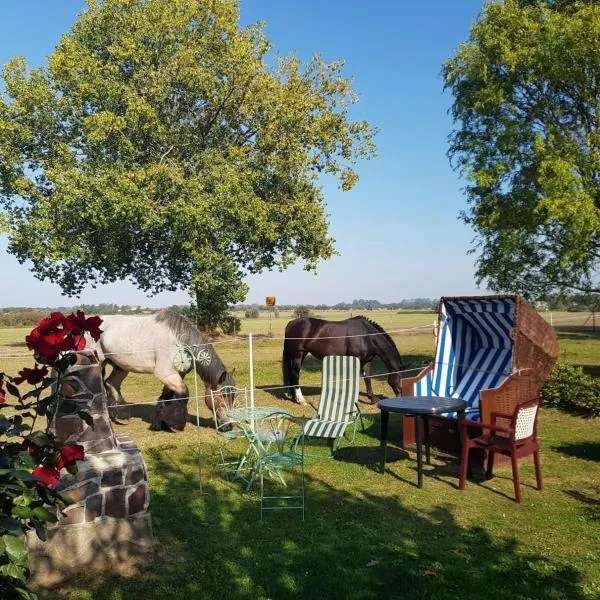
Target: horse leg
{"x":114,"y":398}
{"x":295,"y":379}
{"x":366,"y":373}
{"x":170,"y":413}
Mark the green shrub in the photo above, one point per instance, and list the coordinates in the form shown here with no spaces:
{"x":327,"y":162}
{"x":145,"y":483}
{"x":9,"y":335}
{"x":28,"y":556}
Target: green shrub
{"x":569,"y":388}
{"x":302,"y":311}
{"x":230,"y":324}
{"x":23,"y":318}
{"x":252,"y":313}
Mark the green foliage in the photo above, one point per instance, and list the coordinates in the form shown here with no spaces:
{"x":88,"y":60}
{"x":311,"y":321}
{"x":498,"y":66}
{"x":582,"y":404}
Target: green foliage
{"x":302,"y":311}
{"x":570,"y":388}
{"x":230,"y":324}
{"x":164,"y":144}
{"x":252,"y":313}
{"x":527,"y":139}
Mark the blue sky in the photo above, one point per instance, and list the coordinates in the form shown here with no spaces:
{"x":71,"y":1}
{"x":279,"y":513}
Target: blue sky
{"x":397,"y":231}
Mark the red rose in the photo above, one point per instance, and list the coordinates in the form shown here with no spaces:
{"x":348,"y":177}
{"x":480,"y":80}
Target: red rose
{"x":32,"y":376}
{"x":69,"y":453}
{"x":58,"y":333}
{"x":81,"y":324}
{"x":50,"y":324}
{"x":2,"y":396}
{"x":48,"y":337}
{"x":49,"y":475}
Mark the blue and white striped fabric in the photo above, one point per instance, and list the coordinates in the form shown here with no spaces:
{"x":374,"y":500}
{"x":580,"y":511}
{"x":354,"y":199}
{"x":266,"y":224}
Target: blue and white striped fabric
{"x":474,"y":350}
{"x":339,"y":395}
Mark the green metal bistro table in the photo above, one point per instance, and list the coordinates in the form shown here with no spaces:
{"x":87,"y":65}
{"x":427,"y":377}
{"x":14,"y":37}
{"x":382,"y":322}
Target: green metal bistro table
{"x":250,"y":419}
{"x":419,"y":407}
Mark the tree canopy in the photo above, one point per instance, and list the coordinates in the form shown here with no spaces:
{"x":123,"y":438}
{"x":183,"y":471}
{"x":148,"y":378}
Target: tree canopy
{"x":166,"y":144}
{"x":526,"y":87}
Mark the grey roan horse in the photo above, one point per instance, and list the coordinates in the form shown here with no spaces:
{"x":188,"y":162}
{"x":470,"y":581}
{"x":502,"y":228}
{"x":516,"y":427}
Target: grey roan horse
{"x":357,"y":336}
{"x":161,"y":344}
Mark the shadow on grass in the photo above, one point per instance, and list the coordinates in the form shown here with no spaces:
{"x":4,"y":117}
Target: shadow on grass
{"x":591,"y":508}
{"x":583,"y":450}
{"x":367,"y":546}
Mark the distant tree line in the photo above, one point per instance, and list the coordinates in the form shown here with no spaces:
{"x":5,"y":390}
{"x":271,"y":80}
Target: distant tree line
{"x":357,"y":304}
{"x":574,"y":302}
{"x":26,"y":316}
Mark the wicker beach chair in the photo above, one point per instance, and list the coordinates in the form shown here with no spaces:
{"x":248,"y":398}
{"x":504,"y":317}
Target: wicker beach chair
{"x":494,"y":352}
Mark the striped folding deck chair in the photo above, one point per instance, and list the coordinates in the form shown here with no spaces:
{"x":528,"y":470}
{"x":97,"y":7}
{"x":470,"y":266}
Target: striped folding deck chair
{"x":338,"y":405}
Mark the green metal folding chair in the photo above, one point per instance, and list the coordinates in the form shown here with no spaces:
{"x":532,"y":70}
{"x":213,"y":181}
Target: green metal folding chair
{"x":338,"y":405}
{"x":229,"y":431}
{"x":277,"y":446}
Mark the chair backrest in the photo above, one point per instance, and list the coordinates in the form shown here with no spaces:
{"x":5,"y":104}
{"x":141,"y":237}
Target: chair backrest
{"x":240,"y":396}
{"x":525,"y":419}
{"x":276,"y":434}
{"x":340,"y":388}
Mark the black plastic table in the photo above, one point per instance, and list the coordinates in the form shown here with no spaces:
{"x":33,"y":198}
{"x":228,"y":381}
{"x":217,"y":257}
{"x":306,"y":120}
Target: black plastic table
{"x":419,"y":407}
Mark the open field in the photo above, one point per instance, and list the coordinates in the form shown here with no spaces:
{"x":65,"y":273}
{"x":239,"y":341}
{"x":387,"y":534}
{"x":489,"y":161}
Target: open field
{"x":366,"y":535}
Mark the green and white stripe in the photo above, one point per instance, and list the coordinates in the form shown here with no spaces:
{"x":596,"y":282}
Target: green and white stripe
{"x":339,"y":395}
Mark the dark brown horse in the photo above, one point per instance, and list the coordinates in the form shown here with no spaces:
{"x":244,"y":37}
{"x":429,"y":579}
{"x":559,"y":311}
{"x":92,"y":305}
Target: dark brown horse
{"x":357,"y":336}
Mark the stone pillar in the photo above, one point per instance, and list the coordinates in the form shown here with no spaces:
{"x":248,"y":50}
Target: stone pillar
{"x":108,"y":526}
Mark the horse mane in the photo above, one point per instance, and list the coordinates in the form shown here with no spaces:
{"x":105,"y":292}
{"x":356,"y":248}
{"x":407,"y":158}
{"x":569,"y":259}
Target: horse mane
{"x":188,"y":334}
{"x":385,"y":335}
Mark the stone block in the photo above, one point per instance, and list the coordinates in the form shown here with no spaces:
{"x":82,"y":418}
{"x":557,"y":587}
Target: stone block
{"x":112,"y":478}
{"x":114,"y":503}
{"x":85,"y":472}
{"x":94,"y":507}
{"x":137,"y":499}
{"x":101,"y":431}
{"x":134,"y":475}
{"x":81,"y":492}
{"x":69,"y":426}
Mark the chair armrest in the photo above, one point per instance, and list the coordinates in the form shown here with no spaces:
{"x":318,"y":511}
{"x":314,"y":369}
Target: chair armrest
{"x":470,"y":423}
{"x":501,"y":415}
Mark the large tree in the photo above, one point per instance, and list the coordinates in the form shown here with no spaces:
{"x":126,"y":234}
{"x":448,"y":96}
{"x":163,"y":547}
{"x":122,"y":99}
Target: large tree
{"x":526,"y":89}
{"x":165,"y":143}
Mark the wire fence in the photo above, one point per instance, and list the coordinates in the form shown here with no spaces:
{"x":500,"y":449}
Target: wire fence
{"x":268,"y":389}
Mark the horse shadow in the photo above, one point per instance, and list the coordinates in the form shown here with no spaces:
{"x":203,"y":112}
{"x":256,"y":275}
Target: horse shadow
{"x":145,"y":412}
{"x":279,"y":394}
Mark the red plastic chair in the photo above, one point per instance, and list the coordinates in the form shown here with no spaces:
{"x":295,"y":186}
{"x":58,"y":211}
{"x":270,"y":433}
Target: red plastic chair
{"x":517,"y":441}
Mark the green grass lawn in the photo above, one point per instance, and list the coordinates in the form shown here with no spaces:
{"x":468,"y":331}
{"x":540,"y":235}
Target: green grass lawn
{"x":366,"y":535}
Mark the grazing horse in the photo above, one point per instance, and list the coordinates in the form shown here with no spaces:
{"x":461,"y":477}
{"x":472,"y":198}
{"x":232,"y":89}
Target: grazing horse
{"x":163,"y":344}
{"x":357,"y":336}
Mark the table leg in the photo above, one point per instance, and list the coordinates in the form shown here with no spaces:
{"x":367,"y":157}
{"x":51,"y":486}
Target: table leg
{"x":385,"y":420}
{"x":460,"y":418}
{"x":426,"y":436}
{"x":419,"y":435}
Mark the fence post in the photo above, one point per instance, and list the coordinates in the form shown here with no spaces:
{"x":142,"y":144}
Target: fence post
{"x":251,"y":365}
